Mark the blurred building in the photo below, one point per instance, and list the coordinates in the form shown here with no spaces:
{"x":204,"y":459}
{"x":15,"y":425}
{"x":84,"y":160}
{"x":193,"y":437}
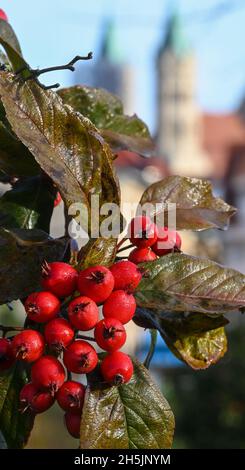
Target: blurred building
{"x":108,"y":69}
{"x":178,"y":134}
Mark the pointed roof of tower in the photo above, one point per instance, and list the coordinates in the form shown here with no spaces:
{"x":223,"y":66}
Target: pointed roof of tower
{"x":110,"y":48}
{"x":175,"y":38}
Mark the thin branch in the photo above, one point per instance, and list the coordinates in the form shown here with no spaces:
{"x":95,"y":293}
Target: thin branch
{"x":152,"y":348}
{"x":35,"y":73}
{"x":68,"y":66}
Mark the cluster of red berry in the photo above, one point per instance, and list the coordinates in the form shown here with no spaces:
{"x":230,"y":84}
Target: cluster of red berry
{"x":151,"y":241}
{"x":67,"y":306}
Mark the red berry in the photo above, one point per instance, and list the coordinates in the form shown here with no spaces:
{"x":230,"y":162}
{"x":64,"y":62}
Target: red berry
{"x":120,"y":305}
{"x":3,"y":15}
{"x":59,"y":278}
{"x":168,"y":241}
{"x":80,"y":357}
{"x":48,"y":374}
{"x":97,"y":282}
{"x":141,"y":255}
{"x":71,"y":396}
{"x":35,"y":400}
{"x":42,"y":306}
{"x":58,"y":334}
{"x":28,"y":345}
{"x":73,"y":421}
{"x":110,"y":334}
{"x":83,"y":313}
{"x":58,"y":199}
{"x":143,"y":232}
{"x":126,"y":275}
{"x":117,"y":368}
{"x":6,"y":354}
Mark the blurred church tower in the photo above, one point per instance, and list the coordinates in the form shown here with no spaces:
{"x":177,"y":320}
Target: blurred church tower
{"x":108,"y":69}
{"x":178,"y":133}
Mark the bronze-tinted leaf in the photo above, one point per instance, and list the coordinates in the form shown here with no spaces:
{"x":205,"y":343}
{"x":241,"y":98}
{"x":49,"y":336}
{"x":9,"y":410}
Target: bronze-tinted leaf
{"x":106,"y":111}
{"x":66,"y":145}
{"x":178,"y":282}
{"x":132,"y":416}
{"x":178,"y":323}
{"x":15,"y":158}
{"x":14,"y":426}
{"x":118,"y":142}
{"x":11,"y":45}
{"x":29,"y":204}
{"x":98,"y":251}
{"x":22,"y":253}
{"x":196,"y":206}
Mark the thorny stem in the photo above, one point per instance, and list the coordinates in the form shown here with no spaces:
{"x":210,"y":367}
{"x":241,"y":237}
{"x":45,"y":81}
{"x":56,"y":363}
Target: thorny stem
{"x":152,"y":349}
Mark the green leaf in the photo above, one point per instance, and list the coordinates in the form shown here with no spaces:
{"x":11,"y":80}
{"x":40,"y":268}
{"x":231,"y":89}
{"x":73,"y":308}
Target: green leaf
{"x":66,"y":145}
{"x":195,"y":338}
{"x":11,"y":45}
{"x":98,"y":251}
{"x":196,"y":207}
{"x":105,"y":110}
{"x":22,"y":253}
{"x":14,"y":426}
{"x":179,"y":282}
{"x":28,"y":205}
{"x":15,"y":158}
{"x":132,"y":416}
{"x":199,"y":351}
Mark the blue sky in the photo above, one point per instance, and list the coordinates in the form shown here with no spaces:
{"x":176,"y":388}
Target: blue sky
{"x":52,"y":32}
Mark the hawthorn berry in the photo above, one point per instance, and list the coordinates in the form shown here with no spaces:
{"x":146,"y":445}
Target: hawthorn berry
{"x":117,"y":368}
{"x":28,"y":345}
{"x":72,"y":422}
{"x":35,"y":400}
{"x":6,"y":354}
{"x":58,"y":199}
{"x":126,"y":275}
{"x":3,"y":15}
{"x":168,"y":241}
{"x":59,"y":278}
{"x":42,"y":306}
{"x":120,"y":305}
{"x":70,"y":396}
{"x":141,"y":255}
{"x":97,"y":282}
{"x":48,"y":374}
{"x":110,"y":334}
{"x":143,"y":232}
{"x":83,"y":313}
{"x":80,"y":357}
{"x":58,"y":334}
